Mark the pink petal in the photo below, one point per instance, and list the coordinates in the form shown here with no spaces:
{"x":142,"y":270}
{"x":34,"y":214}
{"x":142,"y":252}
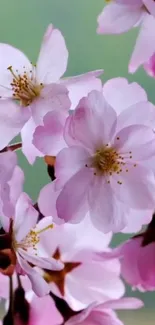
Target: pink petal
{"x":53,"y":56}
{"x":84,"y":238}
{"x":116,"y":18}
{"x":43,"y":309}
{"x":28,"y":149}
{"x":47,"y":201}
{"x":88,"y":124}
{"x":25,"y":217}
{"x":130,"y":142}
{"x":137,"y":188}
{"x":16,"y":184}
{"x":39,"y":285}
{"x":48,"y":138}
{"x":133,"y":3}
{"x":150,"y":5}
{"x":145,"y":44}
{"x":10,"y":56}
{"x":80,"y":86}
{"x":146,"y":265}
{"x":149,"y":66}
{"x":142,"y":113}
{"x":10,"y":192}
{"x":124,"y":94}
{"x":8,"y":162}
{"x":12,"y":119}
{"x":48,"y":263}
{"x":53,"y":97}
{"x":140,"y":217}
{"x":124,"y":303}
{"x":107,"y":317}
{"x":66,"y":167}
{"x":130,"y":251}
{"x":99,"y":281}
{"x":78,"y":319}
{"x":106,"y":212}
{"x":74,"y":207}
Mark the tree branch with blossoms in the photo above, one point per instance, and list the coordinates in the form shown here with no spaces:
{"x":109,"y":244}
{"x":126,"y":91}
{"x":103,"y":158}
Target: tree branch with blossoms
{"x":98,"y":144}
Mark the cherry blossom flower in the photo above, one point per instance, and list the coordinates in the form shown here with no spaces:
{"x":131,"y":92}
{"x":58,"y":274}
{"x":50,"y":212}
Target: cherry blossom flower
{"x":38,"y":89}
{"x":107,"y":170}
{"x":138,"y":265}
{"x":131,"y":101}
{"x":137,"y":259}
{"x":97,"y":314}
{"x":130,"y":98}
{"x":19,"y":243}
{"x":82,"y":280}
{"x":119,"y":16}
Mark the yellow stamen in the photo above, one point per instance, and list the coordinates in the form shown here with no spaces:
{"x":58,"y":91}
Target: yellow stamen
{"x":24,"y":87}
{"x":44,"y":229}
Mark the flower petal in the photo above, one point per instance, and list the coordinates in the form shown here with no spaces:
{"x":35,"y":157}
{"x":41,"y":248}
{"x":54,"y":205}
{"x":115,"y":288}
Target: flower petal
{"x":88,"y":123}
{"x":48,"y":263}
{"x":11,"y":57}
{"x":123,"y":303}
{"x":10,"y":192}
{"x":70,"y":207}
{"x":116,"y":18}
{"x":8,"y":162}
{"x":106,"y":212}
{"x":12,"y":119}
{"x":120,"y":94}
{"x":137,"y":188}
{"x":66,"y":166}
{"x":25,"y":217}
{"x":142,"y":113}
{"x":150,"y":5}
{"x":140,"y":218}
{"x":39,"y":285}
{"x":80,"y":86}
{"x":145,"y":44}
{"x":28,"y":149}
{"x":53,"y":97}
{"x":47,"y":201}
{"x":53,"y":57}
{"x":48,"y":138}
{"x":133,"y":146}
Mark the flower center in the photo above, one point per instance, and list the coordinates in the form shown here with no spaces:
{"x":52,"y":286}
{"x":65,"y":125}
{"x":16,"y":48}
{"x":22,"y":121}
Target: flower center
{"x":24,"y":87}
{"x":31,"y":240}
{"x":59,"y":277}
{"x":105,"y":161}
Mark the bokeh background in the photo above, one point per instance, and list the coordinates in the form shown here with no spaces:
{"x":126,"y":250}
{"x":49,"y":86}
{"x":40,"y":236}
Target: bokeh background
{"x":22,"y":24}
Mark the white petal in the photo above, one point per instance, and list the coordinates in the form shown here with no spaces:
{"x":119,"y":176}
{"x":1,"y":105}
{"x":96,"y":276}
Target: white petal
{"x":53,"y":57}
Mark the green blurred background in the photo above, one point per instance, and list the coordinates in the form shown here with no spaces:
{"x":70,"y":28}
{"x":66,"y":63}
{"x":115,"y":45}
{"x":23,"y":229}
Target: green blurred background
{"x":22,"y":24}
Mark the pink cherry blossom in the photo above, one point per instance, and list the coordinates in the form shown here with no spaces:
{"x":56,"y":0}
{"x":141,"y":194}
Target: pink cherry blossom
{"x":83,"y":280}
{"x":138,"y":264}
{"x":23,"y":239}
{"x":131,"y":101}
{"x":120,"y":16}
{"x":106,"y":174}
{"x":38,"y":88}
{"x":97,"y":314}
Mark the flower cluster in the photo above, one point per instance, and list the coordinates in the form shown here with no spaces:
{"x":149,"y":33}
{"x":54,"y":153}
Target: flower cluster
{"x":98,"y":142}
